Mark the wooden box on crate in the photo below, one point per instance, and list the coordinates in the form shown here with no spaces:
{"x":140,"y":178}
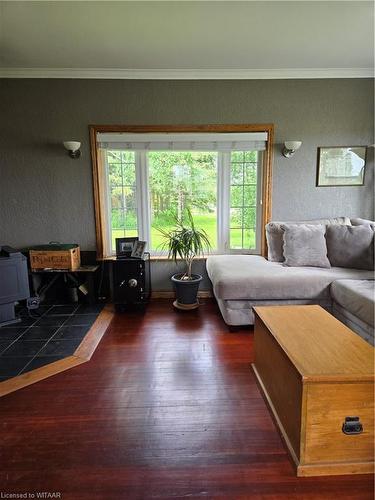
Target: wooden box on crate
{"x":55,"y":256}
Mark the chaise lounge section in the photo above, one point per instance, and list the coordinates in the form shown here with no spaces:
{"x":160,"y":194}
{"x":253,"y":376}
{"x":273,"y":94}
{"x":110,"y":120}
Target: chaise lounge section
{"x":241,"y":282}
{"x":353,"y":305}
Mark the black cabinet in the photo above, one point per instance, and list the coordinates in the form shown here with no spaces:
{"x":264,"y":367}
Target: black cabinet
{"x":130,"y":282}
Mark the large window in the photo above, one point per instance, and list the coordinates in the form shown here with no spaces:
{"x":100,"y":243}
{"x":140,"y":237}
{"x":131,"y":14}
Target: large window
{"x":176,"y":181}
{"x":181,"y":180}
{"x":145,"y":181}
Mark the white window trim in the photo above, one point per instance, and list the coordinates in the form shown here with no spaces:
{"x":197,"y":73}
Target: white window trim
{"x":107,"y":198}
{"x":142,"y":195}
{"x":258,"y":234}
{"x":223,"y":203}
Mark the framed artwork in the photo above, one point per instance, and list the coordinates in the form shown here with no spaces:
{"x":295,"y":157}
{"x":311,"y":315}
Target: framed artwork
{"x":341,"y":166}
{"x":139,"y":249}
{"x":125,"y":246}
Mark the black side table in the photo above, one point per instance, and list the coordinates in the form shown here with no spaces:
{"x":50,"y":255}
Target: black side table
{"x":130,"y":281}
{"x":52,"y":275}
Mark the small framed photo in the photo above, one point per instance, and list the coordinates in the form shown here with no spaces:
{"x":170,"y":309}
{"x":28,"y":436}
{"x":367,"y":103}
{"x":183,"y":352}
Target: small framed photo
{"x":139,"y":249}
{"x":125,"y":246}
{"x":341,"y":166}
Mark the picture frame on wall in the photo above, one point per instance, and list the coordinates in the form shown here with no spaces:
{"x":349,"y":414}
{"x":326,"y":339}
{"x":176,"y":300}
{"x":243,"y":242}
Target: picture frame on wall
{"x":341,"y":166}
{"x":125,"y":246}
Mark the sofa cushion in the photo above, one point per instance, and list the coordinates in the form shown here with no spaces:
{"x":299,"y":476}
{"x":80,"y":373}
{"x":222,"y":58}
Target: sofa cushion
{"x":350,"y":246}
{"x":362,"y":222}
{"x":274,"y":234}
{"x":357,"y":296}
{"x":252,"y":277}
{"x":305,"y":245}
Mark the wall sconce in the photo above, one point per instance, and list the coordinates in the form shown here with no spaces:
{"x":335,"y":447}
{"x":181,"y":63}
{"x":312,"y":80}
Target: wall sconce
{"x":73,"y":148}
{"x":290,"y":147}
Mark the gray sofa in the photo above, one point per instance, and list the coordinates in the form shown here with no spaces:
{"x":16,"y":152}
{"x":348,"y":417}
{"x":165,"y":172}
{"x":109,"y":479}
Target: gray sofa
{"x":353,"y":304}
{"x":241,"y":282}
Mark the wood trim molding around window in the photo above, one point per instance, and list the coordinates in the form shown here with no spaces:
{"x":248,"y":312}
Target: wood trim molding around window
{"x":267,"y":165}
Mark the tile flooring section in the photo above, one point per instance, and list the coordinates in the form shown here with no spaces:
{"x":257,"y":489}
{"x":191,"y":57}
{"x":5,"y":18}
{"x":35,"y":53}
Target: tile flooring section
{"x":45,"y":335}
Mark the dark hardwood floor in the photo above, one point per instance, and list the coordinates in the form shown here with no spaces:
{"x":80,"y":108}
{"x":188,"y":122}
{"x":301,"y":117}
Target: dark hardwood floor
{"x":168,"y":407}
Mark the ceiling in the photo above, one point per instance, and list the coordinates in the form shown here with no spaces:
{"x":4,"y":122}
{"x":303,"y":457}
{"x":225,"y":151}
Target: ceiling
{"x":196,"y":39}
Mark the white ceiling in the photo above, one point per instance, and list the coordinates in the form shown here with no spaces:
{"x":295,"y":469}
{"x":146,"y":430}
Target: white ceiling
{"x":187,"y":39}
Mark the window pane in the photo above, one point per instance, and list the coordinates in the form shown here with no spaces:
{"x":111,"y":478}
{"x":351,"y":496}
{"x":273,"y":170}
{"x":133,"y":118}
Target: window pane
{"x":250,"y":196}
{"x":251,"y":156}
{"x":250,"y":173}
{"x":122,"y":199}
{"x":236,"y":215}
{"x":236,"y":196}
{"x":243,"y":200}
{"x":115,"y":173}
{"x":249,"y":219}
{"x":249,"y":239}
{"x":236,"y":239}
{"x":180,"y":180}
{"x":127,"y":156}
{"x":237,"y":156}
{"x":236,"y":174}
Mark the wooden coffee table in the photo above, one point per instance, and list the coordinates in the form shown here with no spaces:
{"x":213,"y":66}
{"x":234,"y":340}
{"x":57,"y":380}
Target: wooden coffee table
{"x":318,"y":378}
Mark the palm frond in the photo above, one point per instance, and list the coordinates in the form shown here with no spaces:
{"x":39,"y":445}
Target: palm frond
{"x":185,"y":241}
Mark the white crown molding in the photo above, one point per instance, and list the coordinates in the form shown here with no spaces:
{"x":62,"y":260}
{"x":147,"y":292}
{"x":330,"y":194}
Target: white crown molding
{"x":186,"y":74}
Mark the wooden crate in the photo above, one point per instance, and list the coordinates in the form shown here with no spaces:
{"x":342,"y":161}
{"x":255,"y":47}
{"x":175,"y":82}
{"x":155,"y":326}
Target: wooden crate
{"x":315,"y":372}
{"x":69,"y":259}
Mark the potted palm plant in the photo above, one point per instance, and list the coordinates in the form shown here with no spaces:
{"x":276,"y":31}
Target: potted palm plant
{"x":185,"y":242}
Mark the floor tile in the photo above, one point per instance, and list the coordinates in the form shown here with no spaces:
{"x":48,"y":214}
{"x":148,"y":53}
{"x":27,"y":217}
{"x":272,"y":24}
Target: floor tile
{"x":71,"y":332}
{"x":10,"y":367}
{"x":62,"y":309}
{"x":41,"y":361}
{"x":25,"y":321}
{"x":39,"y":333}
{"x":5,"y":345}
{"x":60,"y":347}
{"x":8,"y":333}
{"x":41,"y":310}
{"x":52,"y":333}
{"x":52,"y":320}
{"x":22,"y":348}
{"x":81,"y":319}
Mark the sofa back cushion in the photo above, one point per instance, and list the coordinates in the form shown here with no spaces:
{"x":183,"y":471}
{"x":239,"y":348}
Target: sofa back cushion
{"x":305,"y":245}
{"x":275,"y":232}
{"x":351,"y":246}
{"x":362,"y":222}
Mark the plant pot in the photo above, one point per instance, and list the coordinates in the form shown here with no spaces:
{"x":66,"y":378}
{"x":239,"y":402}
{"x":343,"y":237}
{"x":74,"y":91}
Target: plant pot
{"x":186,"y":291}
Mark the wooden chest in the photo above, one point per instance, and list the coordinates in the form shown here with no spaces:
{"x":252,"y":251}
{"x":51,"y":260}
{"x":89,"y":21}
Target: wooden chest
{"x":55,"y":257}
{"x":318,"y":378}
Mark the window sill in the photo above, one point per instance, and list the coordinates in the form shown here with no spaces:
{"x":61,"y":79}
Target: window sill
{"x":163,"y":258}
{"x":152,"y":258}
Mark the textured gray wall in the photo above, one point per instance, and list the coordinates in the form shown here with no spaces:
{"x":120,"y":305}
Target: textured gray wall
{"x":44,"y":195}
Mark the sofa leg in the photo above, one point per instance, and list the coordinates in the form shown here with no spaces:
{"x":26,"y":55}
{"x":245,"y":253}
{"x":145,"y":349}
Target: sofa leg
{"x":234,"y":328}
{"x":240,"y":328}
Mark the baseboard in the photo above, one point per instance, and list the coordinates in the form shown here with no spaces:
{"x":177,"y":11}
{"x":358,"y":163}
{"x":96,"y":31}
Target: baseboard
{"x":203,"y":294}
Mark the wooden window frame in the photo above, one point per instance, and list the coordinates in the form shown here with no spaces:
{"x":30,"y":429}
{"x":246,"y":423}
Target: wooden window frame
{"x":267,"y":165}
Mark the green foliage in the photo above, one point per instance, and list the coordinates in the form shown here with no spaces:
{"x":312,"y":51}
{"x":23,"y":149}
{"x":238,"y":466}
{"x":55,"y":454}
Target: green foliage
{"x":124,"y":220}
{"x":185,"y":241}
{"x":181,"y":180}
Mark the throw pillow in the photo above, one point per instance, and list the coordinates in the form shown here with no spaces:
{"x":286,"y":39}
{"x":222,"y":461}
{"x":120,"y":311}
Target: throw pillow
{"x":275,"y":232}
{"x":351,"y":246}
{"x":305,"y":245}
